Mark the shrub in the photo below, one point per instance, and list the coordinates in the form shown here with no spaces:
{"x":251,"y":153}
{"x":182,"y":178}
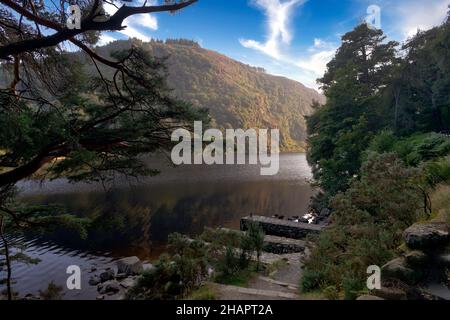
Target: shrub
{"x":368,"y":221}
{"x":311,"y":280}
{"x":187,"y":263}
{"x":228,"y":264}
{"x":203,"y":293}
{"x":221,"y":237}
{"x":352,"y":286}
{"x":175,"y":275}
{"x":53,"y":292}
{"x":251,"y":242}
{"x":331,"y":293}
{"x":414,"y":149}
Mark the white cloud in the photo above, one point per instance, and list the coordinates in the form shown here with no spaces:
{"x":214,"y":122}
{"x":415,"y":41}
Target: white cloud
{"x":144,"y":20}
{"x":402,"y":17}
{"x":278,"y":15}
{"x":319,"y":56}
{"x":423,"y":15}
{"x":317,"y":62}
{"x":132,"y":32}
{"x":306,"y":67}
{"x":105,"y":39}
{"x":136,"y":23}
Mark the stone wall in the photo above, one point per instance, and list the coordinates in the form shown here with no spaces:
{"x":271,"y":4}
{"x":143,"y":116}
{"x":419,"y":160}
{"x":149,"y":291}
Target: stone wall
{"x":281,"y":228}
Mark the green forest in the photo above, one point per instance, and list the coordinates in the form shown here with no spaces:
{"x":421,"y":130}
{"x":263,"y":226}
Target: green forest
{"x":380,"y":150}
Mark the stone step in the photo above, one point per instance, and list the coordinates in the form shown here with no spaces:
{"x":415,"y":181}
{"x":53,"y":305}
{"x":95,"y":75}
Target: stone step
{"x":270,"y":258}
{"x":240,"y":293}
{"x":278,"y":245}
{"x":282,"y":228}
{"x":289,"y":286}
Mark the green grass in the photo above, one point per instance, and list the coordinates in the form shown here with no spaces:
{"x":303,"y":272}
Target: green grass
{"x":313,"y":295}
{"x":440,"y":200}
{"x":239,"y":279}
{"x":203,"y":293}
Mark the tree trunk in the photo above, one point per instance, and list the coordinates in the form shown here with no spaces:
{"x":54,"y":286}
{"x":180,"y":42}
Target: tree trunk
{"x":25,"y":171}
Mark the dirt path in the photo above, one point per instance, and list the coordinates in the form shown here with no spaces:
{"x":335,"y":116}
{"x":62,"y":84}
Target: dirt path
{"x":283,"y":284}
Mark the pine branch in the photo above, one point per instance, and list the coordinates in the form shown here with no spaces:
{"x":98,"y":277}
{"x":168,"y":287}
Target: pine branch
{"x":114,"y":23}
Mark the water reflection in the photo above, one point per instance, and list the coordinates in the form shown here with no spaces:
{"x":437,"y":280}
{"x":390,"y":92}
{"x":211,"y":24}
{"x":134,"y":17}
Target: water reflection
{"x":136,"y":219}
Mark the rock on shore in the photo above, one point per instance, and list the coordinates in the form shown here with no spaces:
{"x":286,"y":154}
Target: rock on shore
{"x":426,"y":236}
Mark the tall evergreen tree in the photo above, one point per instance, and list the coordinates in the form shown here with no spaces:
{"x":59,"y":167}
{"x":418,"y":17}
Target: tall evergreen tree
{"x":353,"y":84}
{"x":424,"y":91}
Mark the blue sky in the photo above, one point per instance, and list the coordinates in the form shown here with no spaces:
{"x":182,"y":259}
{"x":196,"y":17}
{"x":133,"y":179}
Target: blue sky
{"x":292,"y":38}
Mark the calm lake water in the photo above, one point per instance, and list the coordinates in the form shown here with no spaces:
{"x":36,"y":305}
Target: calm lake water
{"x":135,"y":217}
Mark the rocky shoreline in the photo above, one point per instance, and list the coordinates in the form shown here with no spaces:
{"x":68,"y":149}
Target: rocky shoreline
{"x":114,"y":282}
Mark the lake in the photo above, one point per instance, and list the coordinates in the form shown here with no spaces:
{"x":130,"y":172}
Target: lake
{"x":135,"y":217}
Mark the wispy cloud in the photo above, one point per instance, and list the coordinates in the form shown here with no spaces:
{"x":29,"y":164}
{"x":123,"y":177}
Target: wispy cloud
{"x":305,"y":67}
{"x":414,"y":15}
{"x":318,"y":57}
{"x":278,"y":15}
{"x":401,"y":19}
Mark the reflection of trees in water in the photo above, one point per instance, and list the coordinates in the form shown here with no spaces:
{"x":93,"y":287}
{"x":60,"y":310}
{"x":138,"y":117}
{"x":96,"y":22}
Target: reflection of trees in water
{"x":129,"y":220}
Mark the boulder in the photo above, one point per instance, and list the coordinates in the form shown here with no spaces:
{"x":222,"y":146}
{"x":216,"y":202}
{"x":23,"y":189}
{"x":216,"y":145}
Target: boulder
{"x":397,"y":269}
{"x":390,"y":293}
{"x":416,"y":259}
{"x":121,"y":276}
{"x":427,"y":236}
{"x":107,"y":275}
{"x":127,"y":283}
{"x":94,"y":280}
{"x":367,"y":297}
{"x":129,"y":266}
{"x":109,"y":287}
{"x":416,"y":293}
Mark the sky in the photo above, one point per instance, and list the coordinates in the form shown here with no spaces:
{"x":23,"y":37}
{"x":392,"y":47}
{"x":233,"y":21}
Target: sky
{"x":291,"y":38}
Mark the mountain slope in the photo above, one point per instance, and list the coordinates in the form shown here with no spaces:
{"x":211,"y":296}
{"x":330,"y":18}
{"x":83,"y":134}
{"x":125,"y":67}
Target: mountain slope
{"x":237,"y":95}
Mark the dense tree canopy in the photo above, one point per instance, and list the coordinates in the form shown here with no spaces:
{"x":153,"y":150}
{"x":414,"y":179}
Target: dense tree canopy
{"x":57,"y":118}
{"x":378,"y":147}
{"x":354,"y":86}
{"x":424,"y":83}
{"x":52,"y":108}
{"x":372,"y":85}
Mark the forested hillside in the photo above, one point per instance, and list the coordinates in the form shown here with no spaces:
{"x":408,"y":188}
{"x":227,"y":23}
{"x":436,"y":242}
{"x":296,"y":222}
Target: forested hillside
{"x":237,"y":95}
